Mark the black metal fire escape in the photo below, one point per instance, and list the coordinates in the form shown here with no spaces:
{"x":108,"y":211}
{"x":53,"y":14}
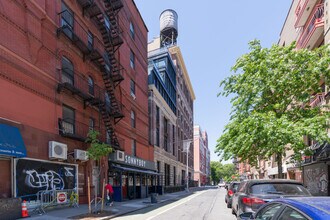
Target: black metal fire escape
{"x":109,"y":65}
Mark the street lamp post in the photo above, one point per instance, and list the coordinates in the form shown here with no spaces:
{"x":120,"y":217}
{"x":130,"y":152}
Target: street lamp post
{"x":186,"y":145}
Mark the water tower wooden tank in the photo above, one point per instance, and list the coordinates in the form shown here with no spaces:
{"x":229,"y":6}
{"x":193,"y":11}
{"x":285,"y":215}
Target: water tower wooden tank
{"x":168,"y":27}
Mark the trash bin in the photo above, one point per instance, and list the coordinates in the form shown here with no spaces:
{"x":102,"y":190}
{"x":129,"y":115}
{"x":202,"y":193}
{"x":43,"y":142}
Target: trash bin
{"x":153,"y":197}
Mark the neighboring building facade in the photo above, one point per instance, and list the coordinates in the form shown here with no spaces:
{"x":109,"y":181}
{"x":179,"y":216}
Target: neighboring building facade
{"x":185,"y":115}
{"x":201,"y":157}
{"x":162,"y":113}
{"x":62,"y":74}
{"x":308,"y":24}
{"x":170,"y":108}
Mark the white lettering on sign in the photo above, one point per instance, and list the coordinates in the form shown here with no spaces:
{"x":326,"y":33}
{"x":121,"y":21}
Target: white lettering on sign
{"x":135,"y":161}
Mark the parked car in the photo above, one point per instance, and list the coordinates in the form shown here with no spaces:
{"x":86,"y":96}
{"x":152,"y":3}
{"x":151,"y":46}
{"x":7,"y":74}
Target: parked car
{"x":223,"y":184}
{"x":302,"y":208}
{"x":232,"y":188}
{"x":251,"y":194}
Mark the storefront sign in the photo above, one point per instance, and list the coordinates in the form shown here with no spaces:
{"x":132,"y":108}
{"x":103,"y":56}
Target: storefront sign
{"x":61,"y":197}
{"x":33,"y":176}
{"x":135,"y":161}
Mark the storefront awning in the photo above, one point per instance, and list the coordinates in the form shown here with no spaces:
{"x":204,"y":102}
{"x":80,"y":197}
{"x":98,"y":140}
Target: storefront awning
{"x":136,"y":170}
{"x":11,"y":142}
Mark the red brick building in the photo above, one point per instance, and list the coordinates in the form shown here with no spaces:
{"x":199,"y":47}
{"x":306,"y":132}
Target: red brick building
{"x":67,"y":67}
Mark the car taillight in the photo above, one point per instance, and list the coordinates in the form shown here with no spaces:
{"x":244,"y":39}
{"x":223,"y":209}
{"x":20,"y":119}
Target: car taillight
{"x":252,"y":201}
{"x":230,"y":193}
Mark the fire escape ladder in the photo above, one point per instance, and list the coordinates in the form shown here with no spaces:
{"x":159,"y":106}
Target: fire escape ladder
{"x":107,"y":119}
{"x":108,"y":26}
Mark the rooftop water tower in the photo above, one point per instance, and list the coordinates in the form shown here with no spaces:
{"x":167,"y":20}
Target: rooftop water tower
{"x":168,"y":27}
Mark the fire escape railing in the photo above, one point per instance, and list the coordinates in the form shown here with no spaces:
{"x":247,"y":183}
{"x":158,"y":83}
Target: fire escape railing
{"x":111,"y":69}
{"x":317,"y":17}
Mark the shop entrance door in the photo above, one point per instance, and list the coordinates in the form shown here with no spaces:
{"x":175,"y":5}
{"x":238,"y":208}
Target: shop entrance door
{"x":131,"y":186}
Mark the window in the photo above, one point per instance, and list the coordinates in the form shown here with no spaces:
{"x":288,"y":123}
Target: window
{"x":108,"y":138}
{"x":90,"y":85}
{"x":90,"y":40}
{"x":67,"y":21}
{"x":157,"y":126}
{"x":68,"y":120}
{"x":132,"y":88}
{"x":133,"y":119}
{"x":131,"y":30}
{"x":107,"y":23}
{"x":165,"y":135}
{"x":268,"y":212}
{"x":107,"y":101}
{"x":133,"y":147}
{"x":132,"y":59}
{"x":91,"y":124}
{"x":67,"y":71}
{"x":173,"y":140}
{"x":291,"y":214}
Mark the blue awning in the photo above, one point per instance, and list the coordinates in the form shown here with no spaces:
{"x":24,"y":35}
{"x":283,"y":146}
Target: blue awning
{"x":11,"y":142}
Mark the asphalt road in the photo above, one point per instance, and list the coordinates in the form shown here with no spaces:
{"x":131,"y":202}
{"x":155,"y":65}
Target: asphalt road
{"x":208,"y":204}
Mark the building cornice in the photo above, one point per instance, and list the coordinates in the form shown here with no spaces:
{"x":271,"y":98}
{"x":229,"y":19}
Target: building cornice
{"x":176,"y":50}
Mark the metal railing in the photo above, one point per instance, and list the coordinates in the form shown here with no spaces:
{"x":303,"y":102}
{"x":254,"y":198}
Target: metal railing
{"x":317,"y":16}
{"x":75,"y":31}
{"x":49,"y":198}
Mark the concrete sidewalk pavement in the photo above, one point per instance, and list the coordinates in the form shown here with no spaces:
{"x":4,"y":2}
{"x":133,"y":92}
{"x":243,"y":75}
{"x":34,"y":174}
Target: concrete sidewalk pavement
{"x":118,"y":209}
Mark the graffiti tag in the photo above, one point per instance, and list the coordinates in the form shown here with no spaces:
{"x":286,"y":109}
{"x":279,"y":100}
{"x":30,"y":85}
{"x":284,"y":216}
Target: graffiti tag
{"x":49,"y":180}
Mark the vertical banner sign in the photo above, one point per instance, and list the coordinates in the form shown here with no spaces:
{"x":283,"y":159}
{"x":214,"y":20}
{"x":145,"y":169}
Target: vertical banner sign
{"x":33,"y":176}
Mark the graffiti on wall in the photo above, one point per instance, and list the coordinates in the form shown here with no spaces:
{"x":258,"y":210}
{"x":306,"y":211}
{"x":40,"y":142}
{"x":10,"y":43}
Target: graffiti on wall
{"x":316,"y":179}
{"x":33,"y":176}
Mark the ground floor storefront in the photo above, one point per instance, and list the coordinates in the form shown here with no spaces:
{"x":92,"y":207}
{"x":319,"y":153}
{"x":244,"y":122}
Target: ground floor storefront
{"x":132,"y":177}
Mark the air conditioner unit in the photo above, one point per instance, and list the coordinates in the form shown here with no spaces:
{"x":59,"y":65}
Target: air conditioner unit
{"x":57,"y":150}
{"x":120,"y":155}
{"x":80,"y":155}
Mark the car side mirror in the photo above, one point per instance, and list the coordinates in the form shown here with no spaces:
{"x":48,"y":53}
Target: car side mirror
{"x":246,"y":216}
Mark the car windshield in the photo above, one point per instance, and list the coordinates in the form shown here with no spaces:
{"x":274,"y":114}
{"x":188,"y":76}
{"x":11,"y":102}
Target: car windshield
{"x":279,"y":189}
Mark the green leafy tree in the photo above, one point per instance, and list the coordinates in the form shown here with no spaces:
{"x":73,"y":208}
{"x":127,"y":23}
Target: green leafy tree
{"x":220,"y":171}
{"x":96,"y":151}
{"x":271,"y":89}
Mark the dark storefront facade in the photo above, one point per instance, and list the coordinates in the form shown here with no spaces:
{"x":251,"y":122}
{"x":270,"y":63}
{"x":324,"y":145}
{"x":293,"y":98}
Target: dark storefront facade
{"x":316,"y":170}
{"x":132,"y":177}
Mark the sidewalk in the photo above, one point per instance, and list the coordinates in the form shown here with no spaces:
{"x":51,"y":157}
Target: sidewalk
{"x":119,"y":208}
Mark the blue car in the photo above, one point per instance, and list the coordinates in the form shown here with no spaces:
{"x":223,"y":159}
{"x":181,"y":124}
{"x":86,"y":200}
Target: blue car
{"x":302,"y":208}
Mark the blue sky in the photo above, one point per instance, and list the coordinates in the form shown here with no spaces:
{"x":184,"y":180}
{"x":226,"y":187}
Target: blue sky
{"x":212,"y":35}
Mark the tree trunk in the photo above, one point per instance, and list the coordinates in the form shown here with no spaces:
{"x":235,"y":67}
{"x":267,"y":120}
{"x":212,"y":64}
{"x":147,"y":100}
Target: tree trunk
{"x":279,"y":165}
